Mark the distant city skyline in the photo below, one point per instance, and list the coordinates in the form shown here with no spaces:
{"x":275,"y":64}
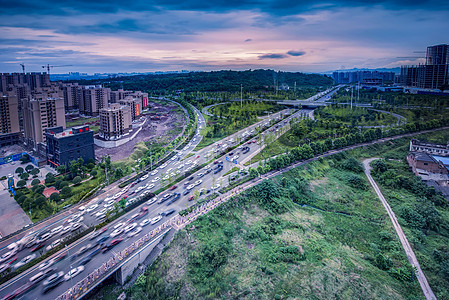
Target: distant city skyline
{"x":148,"y":36}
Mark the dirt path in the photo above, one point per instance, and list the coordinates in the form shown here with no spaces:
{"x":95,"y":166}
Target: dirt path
{"x":428,"y":293}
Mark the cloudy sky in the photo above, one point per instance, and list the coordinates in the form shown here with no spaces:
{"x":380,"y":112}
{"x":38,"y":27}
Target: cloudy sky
{"x":150,"y":35}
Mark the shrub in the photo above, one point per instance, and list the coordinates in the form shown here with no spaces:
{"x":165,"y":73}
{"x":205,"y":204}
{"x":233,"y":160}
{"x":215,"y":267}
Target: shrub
{"x":63,"y":184}
{"x":66,"y":192}
{"x":29,"y":168}
{"x":19,"y":170}
{"x":24,"y":176}
{"x":356,"y":181}
{"x":352,"y":164}
{"x":34,"y":172}
{"x":93,"y":173}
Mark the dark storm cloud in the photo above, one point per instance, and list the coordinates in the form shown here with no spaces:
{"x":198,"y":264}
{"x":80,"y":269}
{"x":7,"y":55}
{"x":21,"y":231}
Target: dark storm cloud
{"x":296,"y":53}
{"x":272,"y":7}
{"x":272,"y":56}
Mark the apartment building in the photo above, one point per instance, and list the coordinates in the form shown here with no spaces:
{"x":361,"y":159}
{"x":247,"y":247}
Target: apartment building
{"x":40,"y":114}
{"x":33,"y":80}
{"x":135,"y":105}
{"x":63,"y":146}
{"x":115,"y":121}
{"x":9,"y":120}
{"x":95,"y":97}
{"x":73,"y":94}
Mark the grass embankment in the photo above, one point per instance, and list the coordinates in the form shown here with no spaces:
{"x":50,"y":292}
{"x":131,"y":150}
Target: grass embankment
{"x":356,"y":116}
{"x":265,"y":245}
{"x":82,"y":121}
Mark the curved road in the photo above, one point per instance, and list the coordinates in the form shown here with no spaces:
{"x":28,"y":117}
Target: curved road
{"x":428,"y":293}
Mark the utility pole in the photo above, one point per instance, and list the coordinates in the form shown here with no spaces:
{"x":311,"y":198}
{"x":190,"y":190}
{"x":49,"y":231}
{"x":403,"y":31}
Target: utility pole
{"x":241,"y":95}
{"x":352,"y":92}
{"x":358,"y":92}
{"x":31,"y":218}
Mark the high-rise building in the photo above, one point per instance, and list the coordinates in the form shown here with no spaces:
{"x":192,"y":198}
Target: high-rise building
{"x":40,"y":114}
{"x":72,"y":93}
{"x":9,"y":120}
{"x":135,"y":105}
{"x":360,"y":76}
{"x":433,"y":75}
{"x":115,"y":121}
{"x":94,"y":98}
{"x":63,"y":146}
{"x":33,"y":80}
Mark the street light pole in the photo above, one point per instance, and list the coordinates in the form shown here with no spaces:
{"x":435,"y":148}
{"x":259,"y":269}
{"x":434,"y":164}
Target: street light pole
{"x":241,"y":95}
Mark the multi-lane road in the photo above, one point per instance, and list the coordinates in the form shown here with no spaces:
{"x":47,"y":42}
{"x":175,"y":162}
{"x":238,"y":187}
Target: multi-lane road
{"x":91,"y":213}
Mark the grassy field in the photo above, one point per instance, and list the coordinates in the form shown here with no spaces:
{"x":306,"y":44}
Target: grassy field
{"x":82,"y":121}
{"x":355,"y":117}
{"x":310,"y":233}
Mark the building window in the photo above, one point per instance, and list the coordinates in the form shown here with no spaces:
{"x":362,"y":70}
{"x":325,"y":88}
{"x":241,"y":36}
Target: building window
{"x":425,"y":164}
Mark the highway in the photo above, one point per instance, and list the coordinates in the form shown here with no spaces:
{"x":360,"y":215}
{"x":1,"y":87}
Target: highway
{"x":88,"y":217}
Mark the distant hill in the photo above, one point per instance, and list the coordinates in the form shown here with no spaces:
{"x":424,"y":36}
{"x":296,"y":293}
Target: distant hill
{"x":395,"y":70}
{"x":252,"y":80}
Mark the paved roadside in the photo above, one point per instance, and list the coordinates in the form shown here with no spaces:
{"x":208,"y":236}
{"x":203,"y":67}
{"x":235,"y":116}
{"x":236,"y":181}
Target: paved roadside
{"x":428,"y":293}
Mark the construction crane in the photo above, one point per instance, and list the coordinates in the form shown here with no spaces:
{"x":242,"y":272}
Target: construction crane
{"x":23,"y":68}
{"x":51,"y":67}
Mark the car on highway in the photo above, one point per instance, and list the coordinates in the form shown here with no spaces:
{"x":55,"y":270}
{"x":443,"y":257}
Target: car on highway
{"x":191,"y":198}
{"x":173,"y":187}
{"x":111,"y":244}
{"x":135,"y":231}
{"x":167,"y":212}
{"x":53,"y":245}
{"x":37,"y":247}
{"x":150,"y":187}
{"x":56,"y":230}
{"x":200,"y":175}
{"x":102,"y":239}
{"x":116,"y":232}
{"x":25,"y":260}
{"x":75,"y":226}
{"x":163,"y":165}
{"x":52,"y":281}
{"x":40,"y":276}
{"x":97,"y":233}
{"x":44,"y":237}
{"x":85,"y":260}
{"x":198,"y":182}
{"x":202,"y":191}
{"x":186,"y":192}
{"x":144,"y":222}
{"x":164,"y":198}
{"x":73,"y":272}
{"x":155,"y":220}
{"x":154,"y":172}
{"x":130,"y":227}
{"x":152,"y":200}
{"x":216,"y":187}
{"x":4,"y":267}
{"x":191,"y":186}
{"x":92,"y":207}
{"x":156,"y":179}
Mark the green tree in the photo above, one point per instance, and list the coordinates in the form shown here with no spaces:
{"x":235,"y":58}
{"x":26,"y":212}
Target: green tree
{"x":61,"y":169}
{"x":24,"y":176}
{"x":34,"y":172}
{"x":35,"y":182}
{"x":77,"y":180}
{"x":119,"y":173}
{"x":66,"y":192}
{"x":93,"y":173}
{"x":19,"y":170}
{"x":49,"y":179}
{"x":63,"y":184}
{"x":21,"y":183}
{"x":29,"y":168}
{"x":55,"y":197}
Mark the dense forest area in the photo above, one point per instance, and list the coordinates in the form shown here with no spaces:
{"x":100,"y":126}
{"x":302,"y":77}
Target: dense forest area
{"x":230,"y":81}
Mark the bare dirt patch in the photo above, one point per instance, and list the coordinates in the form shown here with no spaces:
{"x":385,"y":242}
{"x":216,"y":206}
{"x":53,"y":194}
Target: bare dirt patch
{"x":164,"y":129}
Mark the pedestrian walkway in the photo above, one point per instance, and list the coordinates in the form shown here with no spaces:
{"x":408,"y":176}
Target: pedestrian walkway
{"x":428,"y":293}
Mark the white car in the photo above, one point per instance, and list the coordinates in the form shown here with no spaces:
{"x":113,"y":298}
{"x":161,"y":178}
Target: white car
{"x":152,"y":200}
{"x":180,"y":166}
{"x":73,"y":272}
{"x":191,"y":186}
{"x":46,"y":265}
{"x":24,"y":261}
{"x":217,"y":186}
{"x":169,"y":170}
{"x":101,"y":212}
{"x":75,"y":226}
{"x":53,"y":245}
{"x":119,"y":225}
{"x":156,"y":179}
{"x":135,"y":231}
{"x":155,"y":220}
{"x":130,"y":227}
{"x":56,"y":230}
{"x":145,"y":222}
{"x":109,"y":204}
{"x":188,"y":162}
{"x":166,"y":177}
{"x":66,"y":229}
{"x":116,"y":232}
{"x":198,"y":182}
{"x":235,"y":157}
{"x":163,"y":166}
{"x":150,"y":187}
{"x":92,"y":207}
{"x":154,"y":172}
{"x":144,"y":177}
